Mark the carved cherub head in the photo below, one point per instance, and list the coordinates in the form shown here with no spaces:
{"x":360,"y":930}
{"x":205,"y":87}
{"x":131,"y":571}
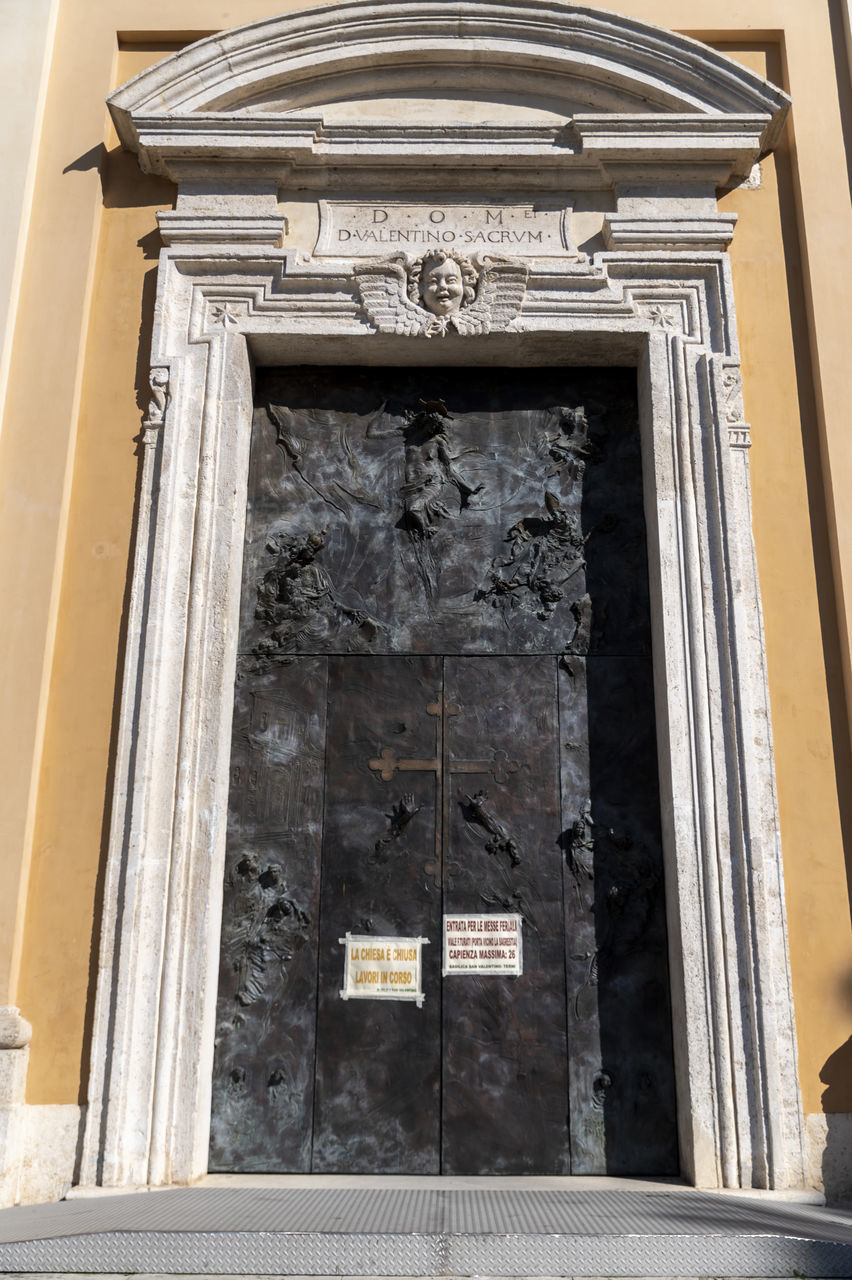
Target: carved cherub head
{"x":442,"y":282}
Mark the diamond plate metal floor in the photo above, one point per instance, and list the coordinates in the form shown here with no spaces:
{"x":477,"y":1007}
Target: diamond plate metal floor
{"x":427,"y":1231}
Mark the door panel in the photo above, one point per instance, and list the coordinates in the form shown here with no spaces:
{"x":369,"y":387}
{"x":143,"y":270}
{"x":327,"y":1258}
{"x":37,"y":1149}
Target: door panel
{"x":621,"y":1079}
{"x":444,"y":706}
{"x":264,"y":1074}
{"x":505,"y":1064}
{"x":378,"y":1061}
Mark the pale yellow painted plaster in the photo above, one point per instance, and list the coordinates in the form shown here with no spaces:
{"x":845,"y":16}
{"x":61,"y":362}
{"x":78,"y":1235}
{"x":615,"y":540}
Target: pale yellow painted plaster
{"x":25,"y":53}
{"x":794,"y":567}
{"x":794,"y":312}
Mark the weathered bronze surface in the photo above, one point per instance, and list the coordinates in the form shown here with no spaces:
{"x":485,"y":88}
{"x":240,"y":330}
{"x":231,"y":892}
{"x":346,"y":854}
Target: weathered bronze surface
{"x":264,"y":1069}
{"x":619,"y":1029}
{"x":439,"y":511}
{"x":505,"y":1083}
{"x":378,"y":1061}
{"x":444,"y":705}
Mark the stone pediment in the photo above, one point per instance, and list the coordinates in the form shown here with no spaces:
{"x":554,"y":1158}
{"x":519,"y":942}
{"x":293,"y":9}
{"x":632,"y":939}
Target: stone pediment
{"x":537,"y":83}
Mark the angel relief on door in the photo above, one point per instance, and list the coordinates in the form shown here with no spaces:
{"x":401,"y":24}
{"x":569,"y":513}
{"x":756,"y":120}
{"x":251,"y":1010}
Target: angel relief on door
{"x":444,"y":709}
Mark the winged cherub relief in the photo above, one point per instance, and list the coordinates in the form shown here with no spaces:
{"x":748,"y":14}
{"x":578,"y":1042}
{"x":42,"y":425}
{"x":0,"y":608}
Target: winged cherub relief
{"x":442,"y":291}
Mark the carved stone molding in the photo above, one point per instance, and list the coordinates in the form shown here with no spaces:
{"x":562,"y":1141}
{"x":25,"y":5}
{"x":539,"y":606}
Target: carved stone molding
{"x":669,"y":315}
{"x":218,"y":110}
{"x":629,"y":231}
{"x":179,"y":227}
{"x":158,"y":383}
{"x":696,"y":102}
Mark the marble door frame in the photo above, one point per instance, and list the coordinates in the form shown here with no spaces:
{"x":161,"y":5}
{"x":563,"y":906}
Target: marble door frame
{"x":657,"y":294}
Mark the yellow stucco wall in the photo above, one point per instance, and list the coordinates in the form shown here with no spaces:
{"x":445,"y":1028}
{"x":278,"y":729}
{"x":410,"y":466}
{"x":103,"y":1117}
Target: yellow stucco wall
{"x":68,"y":467}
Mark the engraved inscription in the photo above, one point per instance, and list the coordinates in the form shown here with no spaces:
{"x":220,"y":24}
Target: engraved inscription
{"x":360,"y":229}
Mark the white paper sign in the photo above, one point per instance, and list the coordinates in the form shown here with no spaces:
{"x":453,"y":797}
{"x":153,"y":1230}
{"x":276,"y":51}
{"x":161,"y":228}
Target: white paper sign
{"x":483,"y":944}
{"x":382,"y":968}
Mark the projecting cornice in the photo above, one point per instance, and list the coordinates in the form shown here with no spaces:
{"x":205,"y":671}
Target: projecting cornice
{"x":599,"y":87}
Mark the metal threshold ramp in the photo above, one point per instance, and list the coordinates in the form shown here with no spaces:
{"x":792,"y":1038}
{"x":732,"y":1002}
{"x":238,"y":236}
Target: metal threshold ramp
{"x":427,"y":1227}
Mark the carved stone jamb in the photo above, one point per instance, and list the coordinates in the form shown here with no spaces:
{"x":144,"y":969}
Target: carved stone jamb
{"x":738,"y":872}
{"x":669,"y":308}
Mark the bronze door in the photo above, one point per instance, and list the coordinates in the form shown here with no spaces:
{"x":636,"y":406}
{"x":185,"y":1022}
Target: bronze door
{"x":444,"y":706}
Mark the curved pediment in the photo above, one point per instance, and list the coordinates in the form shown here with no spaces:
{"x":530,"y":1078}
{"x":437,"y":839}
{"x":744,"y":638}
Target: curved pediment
{"x":418,"y":92}
{"x":472,"y":62}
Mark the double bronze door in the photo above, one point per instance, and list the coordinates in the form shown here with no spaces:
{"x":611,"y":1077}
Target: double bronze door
{"x":375,"y":792}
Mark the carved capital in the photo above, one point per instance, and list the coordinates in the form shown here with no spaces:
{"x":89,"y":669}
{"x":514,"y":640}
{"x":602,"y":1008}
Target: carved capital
{"x":15,"y":1031}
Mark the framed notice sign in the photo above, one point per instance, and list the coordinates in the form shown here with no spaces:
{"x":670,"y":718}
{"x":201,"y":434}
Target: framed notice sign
{"x":382,"y":968}
{"x":483,"y":944}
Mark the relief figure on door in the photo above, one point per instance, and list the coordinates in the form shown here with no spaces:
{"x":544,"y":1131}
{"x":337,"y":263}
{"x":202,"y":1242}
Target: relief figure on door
{"x":396,"y":525}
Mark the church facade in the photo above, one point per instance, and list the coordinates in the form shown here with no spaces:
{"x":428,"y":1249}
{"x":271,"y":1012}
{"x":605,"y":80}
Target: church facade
{"x":427,"y":700}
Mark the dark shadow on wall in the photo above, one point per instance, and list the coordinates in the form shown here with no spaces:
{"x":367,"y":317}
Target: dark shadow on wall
{"x":843,"y":72}
{"x":123,"y":184}
{"x":126,"y":187}
{"x":91,"y":159}
{"x":837,"y":1108}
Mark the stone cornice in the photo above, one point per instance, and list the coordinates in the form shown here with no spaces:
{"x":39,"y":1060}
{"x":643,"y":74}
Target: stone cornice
{"x":227,"y":99}
{"x":589,"y":150}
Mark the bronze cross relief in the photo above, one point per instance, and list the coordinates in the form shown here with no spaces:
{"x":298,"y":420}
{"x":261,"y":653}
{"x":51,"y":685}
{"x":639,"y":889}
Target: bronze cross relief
{"x":387,"y":763}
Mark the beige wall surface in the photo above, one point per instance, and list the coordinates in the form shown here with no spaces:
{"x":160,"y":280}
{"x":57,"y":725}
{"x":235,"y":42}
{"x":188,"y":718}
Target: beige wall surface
{"x":25,"y":54}
{"x":68,"y":476}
